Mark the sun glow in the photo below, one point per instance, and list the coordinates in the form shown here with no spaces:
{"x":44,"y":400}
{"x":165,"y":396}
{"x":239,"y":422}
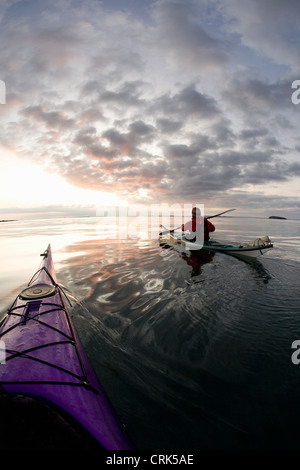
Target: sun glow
{"x":23,"y":185}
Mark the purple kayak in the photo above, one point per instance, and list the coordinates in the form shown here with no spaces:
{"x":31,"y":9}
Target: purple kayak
{"x":47,"y":385}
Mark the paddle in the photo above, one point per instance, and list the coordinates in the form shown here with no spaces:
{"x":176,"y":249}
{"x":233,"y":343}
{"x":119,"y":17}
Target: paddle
{"x":168,"y":230}
{"x":210,"y":217}
{"x":216,"y":215}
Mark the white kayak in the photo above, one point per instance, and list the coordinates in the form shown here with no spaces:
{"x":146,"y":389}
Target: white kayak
{"x":249,"y":250}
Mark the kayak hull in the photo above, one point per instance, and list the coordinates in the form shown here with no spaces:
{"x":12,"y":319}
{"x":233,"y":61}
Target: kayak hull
{"x":45,"y":360}
{"x":244,"y":251}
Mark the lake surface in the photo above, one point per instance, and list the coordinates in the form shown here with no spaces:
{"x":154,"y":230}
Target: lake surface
{"x":193,"y":350}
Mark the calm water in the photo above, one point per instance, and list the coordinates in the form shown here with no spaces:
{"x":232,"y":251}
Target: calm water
{"x":194,"y":351}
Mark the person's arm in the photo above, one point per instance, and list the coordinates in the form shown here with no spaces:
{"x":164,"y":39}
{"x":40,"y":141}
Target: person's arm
{"x":210,"y":226}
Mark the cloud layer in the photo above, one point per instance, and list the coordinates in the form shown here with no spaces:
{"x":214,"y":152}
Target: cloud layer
{"x":176,"y":101}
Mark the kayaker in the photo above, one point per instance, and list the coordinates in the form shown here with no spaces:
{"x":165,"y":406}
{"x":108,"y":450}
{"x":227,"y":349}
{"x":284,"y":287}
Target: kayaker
{"x":196,"y":224}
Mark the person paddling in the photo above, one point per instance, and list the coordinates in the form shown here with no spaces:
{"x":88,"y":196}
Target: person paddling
{"x":198,"y":225}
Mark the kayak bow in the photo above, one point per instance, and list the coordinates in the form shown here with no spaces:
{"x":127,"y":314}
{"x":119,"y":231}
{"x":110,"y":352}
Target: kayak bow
{"x":46,"y":368}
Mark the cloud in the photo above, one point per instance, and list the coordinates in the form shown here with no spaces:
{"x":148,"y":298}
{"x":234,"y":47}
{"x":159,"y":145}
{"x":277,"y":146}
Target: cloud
{"x":257,"y":96}
{"x":168,"y":126}
{"x":163,"y":104}
{"x":182,"y":34}
{"x":52,"y":119}
{"x":111,"y":157}
{"x":270,"y":27}
{"x":187,"y":103}
{"x":128,"y":94}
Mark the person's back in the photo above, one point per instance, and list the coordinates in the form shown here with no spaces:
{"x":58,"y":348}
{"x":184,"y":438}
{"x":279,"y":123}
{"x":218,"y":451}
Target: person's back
{"x":198,"y":225}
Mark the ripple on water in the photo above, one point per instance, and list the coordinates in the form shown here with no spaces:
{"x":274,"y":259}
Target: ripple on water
{"x":188,"y":333}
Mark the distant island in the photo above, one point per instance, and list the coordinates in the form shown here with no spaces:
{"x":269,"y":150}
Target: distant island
{"x":7,"y":220}
{"x":276,"y":217}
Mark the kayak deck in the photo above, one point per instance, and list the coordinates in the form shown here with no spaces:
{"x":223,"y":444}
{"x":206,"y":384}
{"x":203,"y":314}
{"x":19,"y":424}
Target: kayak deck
{"x":243,"y":251}
{"x":45,"y":361}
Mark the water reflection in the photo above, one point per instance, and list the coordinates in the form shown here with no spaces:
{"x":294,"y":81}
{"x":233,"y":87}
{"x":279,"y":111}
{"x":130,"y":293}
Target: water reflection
{"x":168,"y":342}
{"x":197,"y":261}
{"x":193,"y":349}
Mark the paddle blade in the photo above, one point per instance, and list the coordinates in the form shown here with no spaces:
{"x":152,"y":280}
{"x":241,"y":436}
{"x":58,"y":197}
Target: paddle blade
{"x":221,"y":213}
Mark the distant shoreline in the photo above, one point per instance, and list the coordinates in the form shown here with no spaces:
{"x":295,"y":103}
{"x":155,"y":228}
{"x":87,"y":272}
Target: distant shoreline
{"x":260,"y":217}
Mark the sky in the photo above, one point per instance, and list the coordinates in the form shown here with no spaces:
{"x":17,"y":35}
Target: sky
{"x":115,"y":102}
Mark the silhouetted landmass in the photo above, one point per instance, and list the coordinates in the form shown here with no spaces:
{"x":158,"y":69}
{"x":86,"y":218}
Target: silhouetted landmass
{"x":277,"y":217}
{"x":7,"y":220}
